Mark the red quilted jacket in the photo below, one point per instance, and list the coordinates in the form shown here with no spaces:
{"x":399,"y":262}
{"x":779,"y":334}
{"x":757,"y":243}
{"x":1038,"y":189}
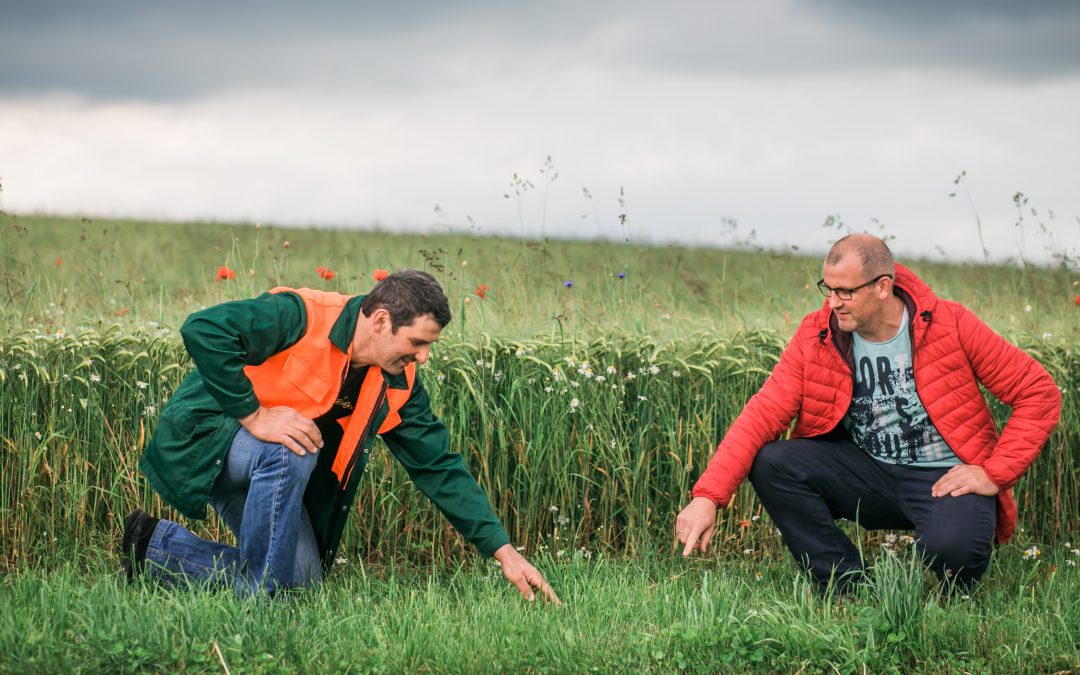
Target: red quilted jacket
{"x":953,"y":352}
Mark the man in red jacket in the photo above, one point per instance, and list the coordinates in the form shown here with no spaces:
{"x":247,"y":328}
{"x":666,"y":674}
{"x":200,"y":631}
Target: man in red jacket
{"x":892,"y":429}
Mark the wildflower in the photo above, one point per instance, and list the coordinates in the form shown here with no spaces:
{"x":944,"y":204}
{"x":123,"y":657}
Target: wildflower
{"x":325,"y":273}
{"x":94,"y":377}
{"x":225,"y":274}
{"x":654,"y":369}
{"x":340,"y":561}
{"x":574,"y":403}
{"x":1076,"y":301}
{"x":890,"y":538}
{"x":58,"y":262}
{"x":379,"y":275}
{"x":150,"y":410}
{"x":907,"y":539}
{"x":1027,"y":308}
{"x":1070,"y":563}
{"x":612,"y":370}
{"x":574,"y":384}
{"x":531,"y":380}
{"x":564,"y":520}
{"x":676,"y":373}
{"x":553,"y":508}
{"x":744,"y":523}
{"x":642,"y":398}
{"x":481,"y":291}
{"x":1032,"y":553}
{"x":621,"y":275}
{"x":1046,"y":336}
{"x":141,"y":385}
{"x":568,"y":283}
{"x":600,"y":378}
{"x":285,"y":244}
{"x":440,"y":377}
{"x":747,"y":551}
{"x":498,"y":376}
{"x":631,"y":376}
{"x":549,"y":389}
{"x":519,"y":353}
{"x":37,"y":435}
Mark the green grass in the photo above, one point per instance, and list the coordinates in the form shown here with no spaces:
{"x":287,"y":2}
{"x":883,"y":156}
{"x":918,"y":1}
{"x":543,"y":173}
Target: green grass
{"x":137,"y":274}
{"x":659,"y":364}
{"x":653,"y":614}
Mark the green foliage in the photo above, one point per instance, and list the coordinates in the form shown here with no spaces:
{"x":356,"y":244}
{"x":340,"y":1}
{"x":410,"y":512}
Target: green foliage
{"x":652,"y":614}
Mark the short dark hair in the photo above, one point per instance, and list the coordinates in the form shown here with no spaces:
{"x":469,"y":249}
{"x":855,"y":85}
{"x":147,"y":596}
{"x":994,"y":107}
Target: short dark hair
{"x":407,"y":294}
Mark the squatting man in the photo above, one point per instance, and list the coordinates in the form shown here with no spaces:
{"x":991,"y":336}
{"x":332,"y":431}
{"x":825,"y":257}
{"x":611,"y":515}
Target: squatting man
{"x":275,"y":425}
{"x":891,"y":427}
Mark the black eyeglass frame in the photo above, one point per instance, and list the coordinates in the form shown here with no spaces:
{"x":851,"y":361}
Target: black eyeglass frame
{"x":847,"y":293}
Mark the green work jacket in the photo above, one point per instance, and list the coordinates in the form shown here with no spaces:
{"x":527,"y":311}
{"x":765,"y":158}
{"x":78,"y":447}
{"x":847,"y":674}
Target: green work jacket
{"x":197,"y":426}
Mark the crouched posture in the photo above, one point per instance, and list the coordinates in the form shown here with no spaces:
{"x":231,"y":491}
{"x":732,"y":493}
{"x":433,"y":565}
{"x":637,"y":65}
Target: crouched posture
{"x":892,"y":430}
{"x":275,"y":425}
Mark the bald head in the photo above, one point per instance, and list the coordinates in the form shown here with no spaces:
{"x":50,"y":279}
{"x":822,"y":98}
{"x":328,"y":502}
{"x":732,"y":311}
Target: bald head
{"x":872,"y":253}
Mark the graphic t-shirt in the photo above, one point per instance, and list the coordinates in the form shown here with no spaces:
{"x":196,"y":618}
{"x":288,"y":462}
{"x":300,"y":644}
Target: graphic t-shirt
{"x":886,"y":418}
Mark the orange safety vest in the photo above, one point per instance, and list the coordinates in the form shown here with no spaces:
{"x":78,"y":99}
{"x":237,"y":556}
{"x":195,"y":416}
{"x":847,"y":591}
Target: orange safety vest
{"x":308,"y":377}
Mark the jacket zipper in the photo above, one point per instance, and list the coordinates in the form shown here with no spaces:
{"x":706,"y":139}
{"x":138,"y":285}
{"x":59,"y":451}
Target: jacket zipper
{"x":339,"y":507}
{"x":363,"y":437}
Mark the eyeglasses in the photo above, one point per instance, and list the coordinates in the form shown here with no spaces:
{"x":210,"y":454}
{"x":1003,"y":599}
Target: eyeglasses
{"x":846,"y":293}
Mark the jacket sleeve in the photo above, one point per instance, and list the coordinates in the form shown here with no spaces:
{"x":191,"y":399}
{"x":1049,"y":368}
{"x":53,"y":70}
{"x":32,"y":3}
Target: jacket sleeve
{"x":766,"y":416}
{"x":422,"y":444}
{"x":224,"y":338}
{"x":1019,"y":381}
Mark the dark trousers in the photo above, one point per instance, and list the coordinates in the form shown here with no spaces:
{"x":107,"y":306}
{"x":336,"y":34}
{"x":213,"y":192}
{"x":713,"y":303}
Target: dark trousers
{"x":806,"y":484}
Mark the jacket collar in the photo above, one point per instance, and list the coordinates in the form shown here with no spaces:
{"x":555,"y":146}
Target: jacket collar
{"x":341,"y":335}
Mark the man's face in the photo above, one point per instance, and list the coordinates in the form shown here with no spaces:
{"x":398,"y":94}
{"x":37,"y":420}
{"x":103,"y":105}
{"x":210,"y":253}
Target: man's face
{"x":393,"y":351}
{"x":866,"y":307}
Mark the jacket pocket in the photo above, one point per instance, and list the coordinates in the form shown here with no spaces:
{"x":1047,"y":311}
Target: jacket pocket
{"x":305,"y":378}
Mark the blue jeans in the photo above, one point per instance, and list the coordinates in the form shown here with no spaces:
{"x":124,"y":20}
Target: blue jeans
{"x":806,"y":484}
{"x":260,"y":496}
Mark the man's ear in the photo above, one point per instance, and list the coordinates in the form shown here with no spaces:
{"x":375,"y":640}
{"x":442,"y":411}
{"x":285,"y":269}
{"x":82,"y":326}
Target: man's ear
{"x":380,"y":321}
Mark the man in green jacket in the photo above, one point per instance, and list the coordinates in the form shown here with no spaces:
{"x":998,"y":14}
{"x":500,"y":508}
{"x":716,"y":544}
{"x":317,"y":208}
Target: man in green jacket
{"x":275,"y":424}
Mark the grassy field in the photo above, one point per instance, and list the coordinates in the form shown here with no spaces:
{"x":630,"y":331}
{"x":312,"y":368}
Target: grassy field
{"x":586,"y":412}
{"x":644,"y":615}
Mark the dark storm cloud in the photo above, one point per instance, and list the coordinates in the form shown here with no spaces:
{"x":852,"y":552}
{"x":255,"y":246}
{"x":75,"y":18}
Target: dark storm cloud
{"x":182,"y":50}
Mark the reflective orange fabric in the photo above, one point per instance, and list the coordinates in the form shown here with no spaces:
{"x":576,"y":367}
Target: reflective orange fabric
{"x":308,"y":375}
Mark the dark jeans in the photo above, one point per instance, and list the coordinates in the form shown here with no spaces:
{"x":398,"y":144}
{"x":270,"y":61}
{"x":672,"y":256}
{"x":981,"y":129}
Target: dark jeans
{"x":806,"y":484}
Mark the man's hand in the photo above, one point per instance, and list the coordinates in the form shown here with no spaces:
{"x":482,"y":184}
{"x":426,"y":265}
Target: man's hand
{"x":965,"y":479}
{"x":522,"y":574}
{"x":696,"y":521}
{"x":282,"y":424}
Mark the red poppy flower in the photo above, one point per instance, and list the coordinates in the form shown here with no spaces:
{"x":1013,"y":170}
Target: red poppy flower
{"x":744,"y":523}
{"x":325,"y":273}
{"x":481,"y":290}
{"x":1076,"y":301}
{"x":58,"y":262}
{"x":225,"y":274}
{"x":379,"y":275}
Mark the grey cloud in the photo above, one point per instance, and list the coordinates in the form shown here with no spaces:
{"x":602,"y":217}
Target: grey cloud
{"x":137,"y":50}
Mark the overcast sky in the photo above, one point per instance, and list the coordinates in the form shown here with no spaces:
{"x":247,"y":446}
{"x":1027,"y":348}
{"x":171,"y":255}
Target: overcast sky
{"x":774,"y":114}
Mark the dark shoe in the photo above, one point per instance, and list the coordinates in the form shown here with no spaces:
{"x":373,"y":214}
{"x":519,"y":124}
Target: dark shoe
{"x":138,"y":528}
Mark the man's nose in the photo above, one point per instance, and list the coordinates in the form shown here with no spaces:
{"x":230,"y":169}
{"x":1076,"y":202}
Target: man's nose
{"x":423,"y":353}
{"x":835,"y":301}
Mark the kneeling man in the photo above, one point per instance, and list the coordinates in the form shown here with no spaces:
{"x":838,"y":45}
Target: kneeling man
{"x":274,"y":427}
